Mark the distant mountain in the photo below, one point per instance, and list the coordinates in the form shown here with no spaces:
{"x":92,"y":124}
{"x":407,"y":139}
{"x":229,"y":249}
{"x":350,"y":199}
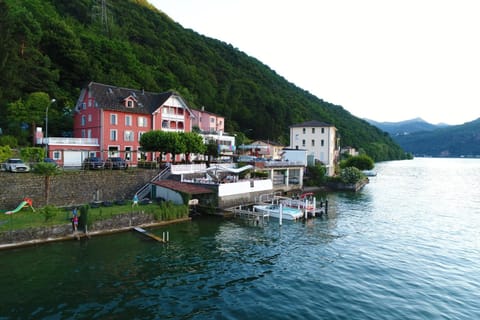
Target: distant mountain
{"x":405,"y":127}
{"x":442,"y":141}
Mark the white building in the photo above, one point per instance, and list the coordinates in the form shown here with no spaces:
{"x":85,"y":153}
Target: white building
{"x":320,"y":141}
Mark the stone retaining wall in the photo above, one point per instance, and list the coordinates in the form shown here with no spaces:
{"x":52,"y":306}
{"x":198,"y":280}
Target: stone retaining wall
{"x":72,"y":187}
{"x":117,"y":222}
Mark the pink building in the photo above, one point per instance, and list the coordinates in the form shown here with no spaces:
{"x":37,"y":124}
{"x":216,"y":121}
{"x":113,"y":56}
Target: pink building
{"x":208,"y":121}
{"x":118,"y":117}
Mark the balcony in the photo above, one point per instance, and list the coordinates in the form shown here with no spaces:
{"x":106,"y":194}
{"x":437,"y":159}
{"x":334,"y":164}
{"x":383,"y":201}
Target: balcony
{"x":71,"y":141}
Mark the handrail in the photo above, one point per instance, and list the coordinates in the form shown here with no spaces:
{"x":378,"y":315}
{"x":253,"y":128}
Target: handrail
{"x":144,"y":191}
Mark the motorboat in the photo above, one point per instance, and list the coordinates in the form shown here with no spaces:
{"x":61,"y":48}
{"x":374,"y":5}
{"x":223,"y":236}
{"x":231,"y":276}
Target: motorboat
{"x":273,"y":210}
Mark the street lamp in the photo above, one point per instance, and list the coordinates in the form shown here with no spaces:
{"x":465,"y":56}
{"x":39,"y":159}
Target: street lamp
{"x":46,"y":126}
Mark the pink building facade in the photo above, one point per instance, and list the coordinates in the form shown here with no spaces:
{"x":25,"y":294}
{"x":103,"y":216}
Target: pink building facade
{"x":117,"y":118}
{"x":208,"y":122}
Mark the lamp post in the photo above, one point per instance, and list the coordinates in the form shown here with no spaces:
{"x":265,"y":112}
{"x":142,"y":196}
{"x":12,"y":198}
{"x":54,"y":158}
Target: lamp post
{"x":46,"y":126}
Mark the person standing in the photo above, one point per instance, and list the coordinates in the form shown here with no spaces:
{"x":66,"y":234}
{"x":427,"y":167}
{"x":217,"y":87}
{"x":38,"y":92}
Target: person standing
{"x":75,"y":223}
{"x":135,"y":200}
{"x":74,"y":214}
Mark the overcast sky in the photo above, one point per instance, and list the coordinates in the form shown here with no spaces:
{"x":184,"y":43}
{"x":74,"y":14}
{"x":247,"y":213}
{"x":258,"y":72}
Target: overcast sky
{"x":379,"y":59}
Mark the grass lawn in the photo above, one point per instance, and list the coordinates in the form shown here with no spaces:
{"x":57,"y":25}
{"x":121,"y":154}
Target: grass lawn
{"x":51,"y":216}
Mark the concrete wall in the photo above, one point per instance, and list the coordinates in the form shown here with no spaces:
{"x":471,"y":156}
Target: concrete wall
{"x":72,"y":187}
{"x":244,"y":187}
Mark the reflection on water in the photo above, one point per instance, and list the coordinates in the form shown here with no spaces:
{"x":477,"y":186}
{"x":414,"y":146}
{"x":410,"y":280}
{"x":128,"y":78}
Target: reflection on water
{"x":405,"y":247}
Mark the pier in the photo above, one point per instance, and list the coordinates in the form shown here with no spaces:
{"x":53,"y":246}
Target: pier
{"x":250,"y":215}
{"x":164,"y":239}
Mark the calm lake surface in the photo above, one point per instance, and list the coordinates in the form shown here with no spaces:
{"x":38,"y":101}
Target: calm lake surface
{"x":405,"y":247}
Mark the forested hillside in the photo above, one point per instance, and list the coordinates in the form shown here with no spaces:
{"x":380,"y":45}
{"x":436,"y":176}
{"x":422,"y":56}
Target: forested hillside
{"x":405,"y":127}
{"x":57,"y":46}
{"x":452,"y":141}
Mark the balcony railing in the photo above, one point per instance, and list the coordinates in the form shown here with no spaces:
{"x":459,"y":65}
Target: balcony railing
{"x":71,"y":141}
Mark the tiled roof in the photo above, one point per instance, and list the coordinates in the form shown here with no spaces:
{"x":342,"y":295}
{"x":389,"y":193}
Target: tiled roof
{"x":182,"y":187}
{"x":112,"y":98}
{"x":312,"y":123}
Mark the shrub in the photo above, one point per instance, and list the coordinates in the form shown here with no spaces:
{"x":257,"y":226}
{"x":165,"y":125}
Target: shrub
{"x":361,"y":162}
{"x":49,"y":212}
{"x":351,"y":175}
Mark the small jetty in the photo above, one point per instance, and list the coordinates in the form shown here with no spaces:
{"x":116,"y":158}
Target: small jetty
{"x":164,"y":239}
{"x":247,"y":213}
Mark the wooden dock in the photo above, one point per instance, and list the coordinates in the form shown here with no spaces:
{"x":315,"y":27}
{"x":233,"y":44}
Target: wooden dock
{"x":253,"y":216}
{"x":151,"y":235}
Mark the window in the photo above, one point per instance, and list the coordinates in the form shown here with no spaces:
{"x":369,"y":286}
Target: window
{"x":84,"y":106}
{"x":128,"y":153}
{"x":303,"y":143}
{"x":89,"y":118}
{"x":212,"y":120}
{"x":304,"y":130}
{"x":113,"y":135}
{"x":113,"y":151}
{"x":165,"y":124}
{"x":313,"y":130}
{"x":57,"y":155}
{"x":83,"y":120}
{"x":313,"y":142}
{"x":322,"y":142}
{"x":128,"y":136}
{"x":323,"y":130}
{"x":89,"y":133}
{"x":142,"y":121}
{"x":113,"y":119}
{"x":129,"y":104}
{"x":83,"y":133}
{"x":128,"y":121}
{"x":140,"y":135}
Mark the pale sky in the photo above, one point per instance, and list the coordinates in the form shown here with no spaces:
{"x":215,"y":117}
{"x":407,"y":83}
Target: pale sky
{"x":386,"y":60}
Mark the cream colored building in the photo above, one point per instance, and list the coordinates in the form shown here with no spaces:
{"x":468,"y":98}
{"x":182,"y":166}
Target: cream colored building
{"x":320,"y":141}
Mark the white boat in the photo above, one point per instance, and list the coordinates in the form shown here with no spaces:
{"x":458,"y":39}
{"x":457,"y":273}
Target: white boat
{"x":273,"y":210}
{"x":369,"y":173}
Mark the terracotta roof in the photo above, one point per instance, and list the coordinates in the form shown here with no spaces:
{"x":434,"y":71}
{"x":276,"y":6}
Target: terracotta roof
{"x":313,"y":123}
{"x":182,"y":187}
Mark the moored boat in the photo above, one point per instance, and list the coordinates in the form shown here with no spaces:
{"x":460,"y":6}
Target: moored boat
{"x":273,"y":210}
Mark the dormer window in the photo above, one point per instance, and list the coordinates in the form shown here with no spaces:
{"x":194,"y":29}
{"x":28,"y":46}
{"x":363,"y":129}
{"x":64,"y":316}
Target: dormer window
{"x":129,"y":102}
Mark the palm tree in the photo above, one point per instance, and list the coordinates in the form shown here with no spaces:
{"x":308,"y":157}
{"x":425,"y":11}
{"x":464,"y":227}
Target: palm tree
{"x":48,"y":170}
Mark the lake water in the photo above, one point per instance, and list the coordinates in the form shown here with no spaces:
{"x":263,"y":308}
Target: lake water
{"x":405,"y":247}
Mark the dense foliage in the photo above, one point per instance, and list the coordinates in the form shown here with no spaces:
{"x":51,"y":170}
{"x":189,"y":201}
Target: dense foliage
{"x":361,"y":162}
{"x":57,"y":46}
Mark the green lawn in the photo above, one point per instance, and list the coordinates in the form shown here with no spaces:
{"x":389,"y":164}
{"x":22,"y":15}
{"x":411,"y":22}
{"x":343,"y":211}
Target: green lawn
{"x":50,"y":216}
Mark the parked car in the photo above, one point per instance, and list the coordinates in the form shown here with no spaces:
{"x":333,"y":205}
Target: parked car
{"x":92,"y":163}
{"x":16,"y":165}
{"x":115,"y":163}
{"x":50,"y":160}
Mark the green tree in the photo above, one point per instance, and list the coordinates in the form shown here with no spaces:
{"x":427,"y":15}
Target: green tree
{"x":7,"y":140}
{"x":155,"y":141}
{"x":47,"y":170}
{"x":32,"y":112}
{"x":193,"y":144}
{"x":5,"y":153}
{"x":32,"y":154}
{"x":174,"y":144}
{"x":317,"y":174}
{"x":211,"y":150}
{"x":351,"y":175}
{"x":361,"y":162}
